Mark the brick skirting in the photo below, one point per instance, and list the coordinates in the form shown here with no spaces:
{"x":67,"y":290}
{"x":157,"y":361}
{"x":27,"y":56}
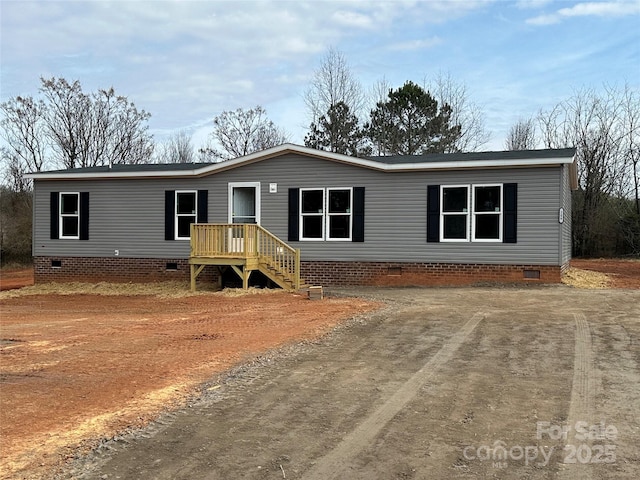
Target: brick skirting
{"x":115,"y":269}
{"x":325,"y":273}
{"x":423,"y":274}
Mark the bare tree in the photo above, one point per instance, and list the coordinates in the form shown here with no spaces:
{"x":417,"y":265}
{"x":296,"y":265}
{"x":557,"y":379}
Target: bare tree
{"x":464,"y":112}
{"x":177,"y":149}
{"x":332,"y":83}
{"x":631,"y":140}
{"x":242,"y":132}
{"x":23,"y":130}
{"x":604,"y":130}
{"x":522,"y":135}
{"x":68,"y":128}
{"x":101,"y":128}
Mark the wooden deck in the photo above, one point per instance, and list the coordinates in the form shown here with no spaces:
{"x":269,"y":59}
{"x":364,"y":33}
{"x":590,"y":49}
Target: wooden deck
{"x":245,"y":248}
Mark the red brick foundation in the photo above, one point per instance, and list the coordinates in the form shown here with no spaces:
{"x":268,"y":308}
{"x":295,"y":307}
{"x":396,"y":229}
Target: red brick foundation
{"x":423,"y":274}
{"x":115,"y":269}
{"x":325,"y":273}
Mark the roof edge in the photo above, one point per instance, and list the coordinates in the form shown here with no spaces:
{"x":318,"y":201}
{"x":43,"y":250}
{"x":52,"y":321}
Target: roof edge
{"x":565,"y":156}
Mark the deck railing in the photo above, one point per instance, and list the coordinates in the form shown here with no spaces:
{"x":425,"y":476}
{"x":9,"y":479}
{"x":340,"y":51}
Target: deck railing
{"x":248,"y":241}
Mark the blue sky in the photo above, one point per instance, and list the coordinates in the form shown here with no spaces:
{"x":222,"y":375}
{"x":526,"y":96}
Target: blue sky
{"x":187,"y":61}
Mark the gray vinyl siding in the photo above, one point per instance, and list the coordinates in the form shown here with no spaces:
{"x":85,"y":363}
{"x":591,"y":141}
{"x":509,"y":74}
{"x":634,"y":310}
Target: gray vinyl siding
{"x":566,"y":240}
{"x":128,"y":214}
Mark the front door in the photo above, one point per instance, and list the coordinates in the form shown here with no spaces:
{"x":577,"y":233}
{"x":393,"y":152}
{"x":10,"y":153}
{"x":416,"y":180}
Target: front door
{"x":244,"y":202}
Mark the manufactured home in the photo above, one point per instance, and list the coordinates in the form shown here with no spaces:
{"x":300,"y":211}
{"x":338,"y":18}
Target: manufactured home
{"x":302,"y":216}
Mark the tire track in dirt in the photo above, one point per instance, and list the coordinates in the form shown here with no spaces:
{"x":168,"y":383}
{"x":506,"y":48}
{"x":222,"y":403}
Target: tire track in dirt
{"x":334,"y":464}
{"x":582,"y":396}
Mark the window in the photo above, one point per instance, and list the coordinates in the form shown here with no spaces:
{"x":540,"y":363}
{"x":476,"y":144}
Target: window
{"x":326,"y":214}
{"x":455,"y":214}
{"x":70,"y":215}
{"x":312,"y":214}
{"x":487,"y":213}
{"x":186,"y":214}
{"x":477,"y":213}
{"x":339,"y":214}
{"x":181,"y":209}
{"x":490,"y":215}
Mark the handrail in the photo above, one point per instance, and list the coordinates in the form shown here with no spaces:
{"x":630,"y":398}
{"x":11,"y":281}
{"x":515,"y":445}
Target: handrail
{"x":246,"y":240}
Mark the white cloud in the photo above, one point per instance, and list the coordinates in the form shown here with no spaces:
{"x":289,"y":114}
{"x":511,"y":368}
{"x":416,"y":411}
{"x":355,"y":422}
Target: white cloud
{"x":352,"y":19}
{"x":415,"y":44}
{"x":589,"y":9}
{"x":187,"y":61}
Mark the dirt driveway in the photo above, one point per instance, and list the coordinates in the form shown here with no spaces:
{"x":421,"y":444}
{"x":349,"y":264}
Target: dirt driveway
{"x":442,"y":383}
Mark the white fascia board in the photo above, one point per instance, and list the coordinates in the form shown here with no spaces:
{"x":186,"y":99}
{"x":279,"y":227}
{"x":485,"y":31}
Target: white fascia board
{"x":458,"y":165}
{"x":306,"y":151}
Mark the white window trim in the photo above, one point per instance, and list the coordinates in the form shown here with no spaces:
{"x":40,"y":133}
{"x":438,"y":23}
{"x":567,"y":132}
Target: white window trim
{"x":328,"y":215}
{"x":68,"y":215}
{"x":178,"y":215}
{"x":443,"y":214}
{"x":474,"y":213}
{"x":322,"y":214}
{"x":231,"y":186}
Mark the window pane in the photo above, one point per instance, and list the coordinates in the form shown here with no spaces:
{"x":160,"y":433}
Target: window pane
{"x":312,"y":201}
{"x":339,"y":226}
{"x":339,"y":201}
{"x":69,"y":203}
{"x":487,"y":199}
{"x":184,"y":223}
{"x":455,"y":226}
{"x":244,"y":202}
{"x":186,"y":203}
{"x":69,"y":226}
{"x":312,"y":226}
{"x":487,"y":227}
{"x":454,"y":199}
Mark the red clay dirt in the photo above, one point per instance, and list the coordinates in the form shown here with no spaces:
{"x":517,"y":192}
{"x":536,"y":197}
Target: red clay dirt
{"x":621,"y":273}
{"x":75,"y":368}
{"x":11,"y":279}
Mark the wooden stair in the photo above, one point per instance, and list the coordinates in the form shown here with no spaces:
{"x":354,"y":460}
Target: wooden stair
{"x":245,"y":248}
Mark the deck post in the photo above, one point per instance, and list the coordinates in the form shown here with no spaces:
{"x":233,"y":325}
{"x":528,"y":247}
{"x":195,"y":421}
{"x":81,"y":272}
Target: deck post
{"x":192,"y":269}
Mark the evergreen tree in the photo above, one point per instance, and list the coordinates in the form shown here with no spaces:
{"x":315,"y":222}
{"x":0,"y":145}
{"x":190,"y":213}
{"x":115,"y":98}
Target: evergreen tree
{"x":410,"y":123}
{"x":337,"y":131}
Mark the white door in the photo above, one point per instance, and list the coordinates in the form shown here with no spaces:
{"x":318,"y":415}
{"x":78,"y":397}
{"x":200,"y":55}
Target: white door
{"x":244,"y":202}
{"x":244,"y":207}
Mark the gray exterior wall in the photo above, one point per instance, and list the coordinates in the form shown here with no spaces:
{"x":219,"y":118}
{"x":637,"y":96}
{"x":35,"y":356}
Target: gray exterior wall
{"x":128,"y":214}
{"x":565,"y":230}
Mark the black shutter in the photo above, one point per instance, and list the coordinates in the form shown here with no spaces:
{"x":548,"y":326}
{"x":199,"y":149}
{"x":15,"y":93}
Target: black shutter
{"x":203,"y":206}
{"x":433,"y":213}
{"x":84,"y":215}
{"x":357,"y":235}
{"x":294,"y":214}
{"x":169,"y":214}
{"x":55,"y":215}
{"x":510,"y":218}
